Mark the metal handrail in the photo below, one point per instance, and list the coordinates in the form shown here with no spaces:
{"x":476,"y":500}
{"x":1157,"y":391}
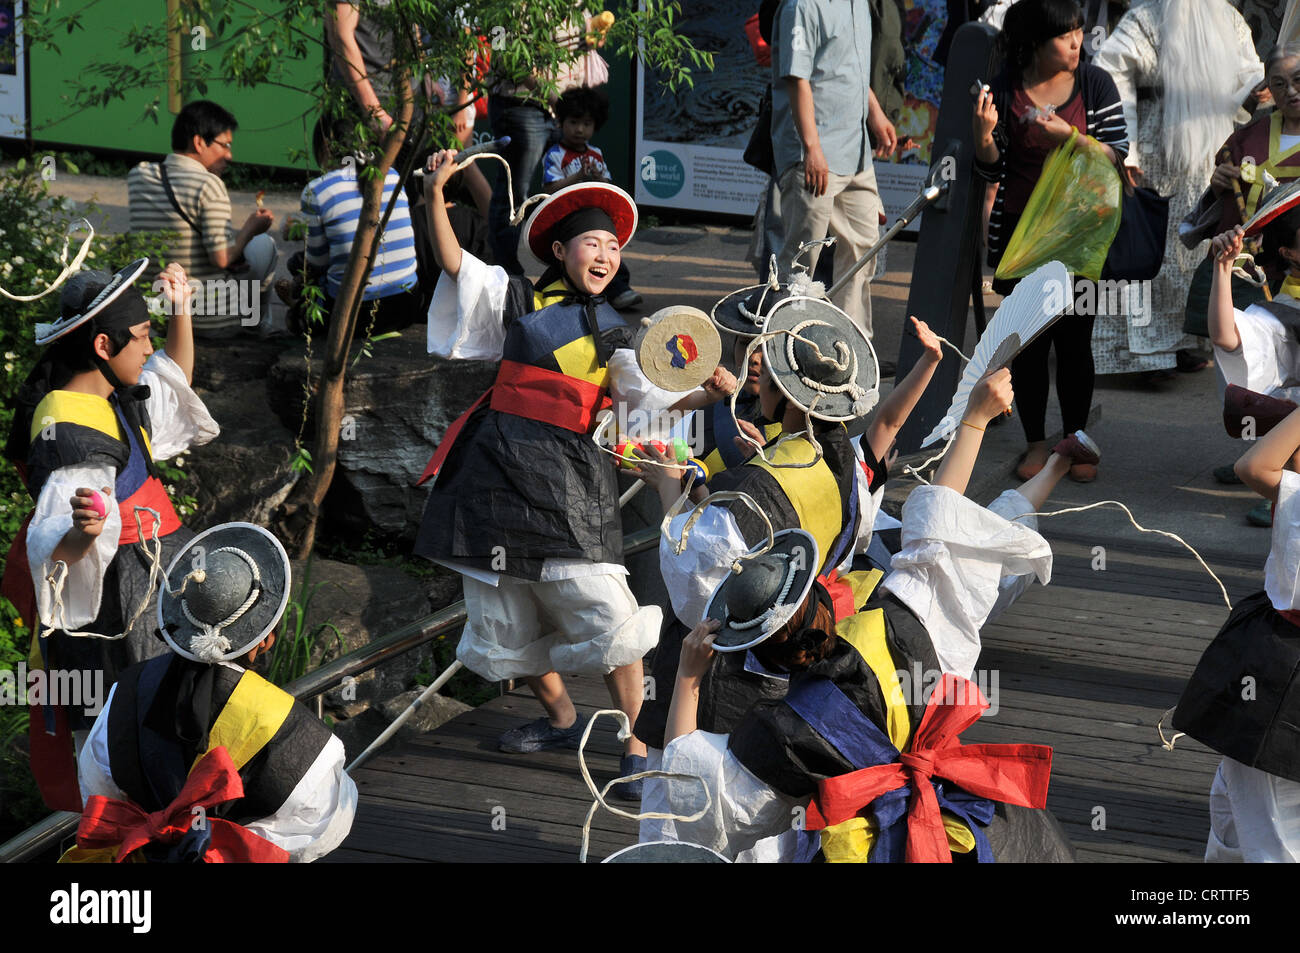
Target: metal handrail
{"x":49,"y":831}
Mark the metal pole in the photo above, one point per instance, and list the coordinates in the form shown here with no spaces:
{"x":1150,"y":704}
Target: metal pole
{"x":928,"y":195}
{"x":400,"y":720}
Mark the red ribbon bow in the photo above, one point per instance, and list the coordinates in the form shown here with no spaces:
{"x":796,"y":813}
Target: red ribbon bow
{"x":1015,"y":774}
{"x":841,"y":594}
{"x":107,"y":822}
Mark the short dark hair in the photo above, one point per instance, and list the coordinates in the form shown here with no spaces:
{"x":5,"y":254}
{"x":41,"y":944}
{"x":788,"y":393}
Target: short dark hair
{"x":583,"y":101}
{"x":202,"y":118}
{"x":1031,"y":23}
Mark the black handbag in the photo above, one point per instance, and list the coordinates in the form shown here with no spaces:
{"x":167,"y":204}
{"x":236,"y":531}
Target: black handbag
{"x":1139,"y":245}
{"x":759,"y":151}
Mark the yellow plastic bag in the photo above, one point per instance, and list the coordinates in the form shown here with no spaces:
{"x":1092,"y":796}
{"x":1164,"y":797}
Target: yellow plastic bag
{"x":1071,"y":216}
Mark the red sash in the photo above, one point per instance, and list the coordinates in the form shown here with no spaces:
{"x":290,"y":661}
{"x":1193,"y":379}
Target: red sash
{"x":152,"y":494}
{"x":534,"y":393}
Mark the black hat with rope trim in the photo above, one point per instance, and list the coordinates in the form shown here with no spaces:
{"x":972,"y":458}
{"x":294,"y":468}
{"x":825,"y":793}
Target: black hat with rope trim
{"x":225,"y":592}
{"x":764,"y":590}
{"x":820,"y":359}
{"x":118,"y":305}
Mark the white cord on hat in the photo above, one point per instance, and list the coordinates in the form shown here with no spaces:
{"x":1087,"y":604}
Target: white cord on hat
{"x":57,"y":580}
{"x":779,"y":612}
{"x":625,"y":732}
{"x":210,"y":645}
{"x":68,"y":267}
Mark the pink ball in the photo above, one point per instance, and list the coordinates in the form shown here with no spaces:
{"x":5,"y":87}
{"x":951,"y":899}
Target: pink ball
{"x":98,"y":504}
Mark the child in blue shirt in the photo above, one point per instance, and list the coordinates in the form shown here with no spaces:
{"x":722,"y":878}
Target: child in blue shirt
{"x":581,"y":111}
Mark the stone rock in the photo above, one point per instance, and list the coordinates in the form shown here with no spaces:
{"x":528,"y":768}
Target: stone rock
{"x":399,"y":403}
{"x":357,"y":733}
{"x":244,"y":473}
{"x":363,"y":603}
{"x":437,"y":710}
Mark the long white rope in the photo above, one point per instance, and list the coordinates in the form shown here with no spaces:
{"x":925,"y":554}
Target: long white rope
{"x":625,"y":732}
{"x":68,"y":267}
{"x":1141,"y":529}
{"x":58,"y":579}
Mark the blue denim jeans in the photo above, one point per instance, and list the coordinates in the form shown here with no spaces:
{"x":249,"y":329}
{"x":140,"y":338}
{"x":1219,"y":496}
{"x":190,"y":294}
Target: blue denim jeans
{"x":530,"y":130}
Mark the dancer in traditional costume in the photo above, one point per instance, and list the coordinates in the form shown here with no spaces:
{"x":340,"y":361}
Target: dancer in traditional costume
{"x":851,"y":653}
{"x":525,"y":505}
{"x":197,"y":759}
{"x":96,"y":411}
{"x":1256,"y":348}
{"x":835,"y":496}
{"x":1241,"y":700}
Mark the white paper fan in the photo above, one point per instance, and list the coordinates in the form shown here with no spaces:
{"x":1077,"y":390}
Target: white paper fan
{"x":1038,"y":300}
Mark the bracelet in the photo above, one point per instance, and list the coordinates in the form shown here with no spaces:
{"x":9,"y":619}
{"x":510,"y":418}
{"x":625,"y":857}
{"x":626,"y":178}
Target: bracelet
{"x":967,"y":423}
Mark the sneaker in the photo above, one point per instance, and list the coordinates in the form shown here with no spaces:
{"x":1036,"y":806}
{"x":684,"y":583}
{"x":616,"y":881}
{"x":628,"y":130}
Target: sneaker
{"x":1079,"y":448}
{"x":1240,"y":404}
{"x":1261,"y":514}
{"x":629,"y":790}
{"x":625,"y":300}
{"x":1226,"y":475}
{"x":541,"y":735}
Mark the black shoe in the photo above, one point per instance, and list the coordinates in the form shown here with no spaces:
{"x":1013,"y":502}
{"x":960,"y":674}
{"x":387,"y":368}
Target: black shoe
{"x":540,"y":735}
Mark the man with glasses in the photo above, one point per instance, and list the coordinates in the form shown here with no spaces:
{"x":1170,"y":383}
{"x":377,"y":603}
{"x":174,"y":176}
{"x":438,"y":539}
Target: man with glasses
{"x":184,"y":194}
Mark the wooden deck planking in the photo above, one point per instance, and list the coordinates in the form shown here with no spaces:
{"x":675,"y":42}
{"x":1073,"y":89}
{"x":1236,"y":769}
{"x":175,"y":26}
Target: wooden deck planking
{"x":1088,"y":665}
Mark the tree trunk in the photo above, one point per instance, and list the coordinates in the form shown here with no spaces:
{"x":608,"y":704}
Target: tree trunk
{"x":295,"y":521}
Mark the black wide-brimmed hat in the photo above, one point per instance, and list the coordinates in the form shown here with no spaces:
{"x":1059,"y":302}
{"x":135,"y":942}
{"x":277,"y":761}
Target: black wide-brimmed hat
{"x":122,"y":283}
{"x":822,"y":361}
{"x":225,"y":592}
{"x":764,"y":594}
{"x":745,"y":311}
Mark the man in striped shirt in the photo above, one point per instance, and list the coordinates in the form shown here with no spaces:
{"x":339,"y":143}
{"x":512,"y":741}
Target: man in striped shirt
{"x":331,"y":205}
{"x":229,"y":271}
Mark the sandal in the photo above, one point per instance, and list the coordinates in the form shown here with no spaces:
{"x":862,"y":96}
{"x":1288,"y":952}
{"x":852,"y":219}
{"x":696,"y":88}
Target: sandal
{"x":1032,"y":461}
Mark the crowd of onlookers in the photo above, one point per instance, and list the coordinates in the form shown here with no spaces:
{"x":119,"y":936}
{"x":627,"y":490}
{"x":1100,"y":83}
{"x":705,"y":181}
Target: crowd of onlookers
{"x":1194,"y":120}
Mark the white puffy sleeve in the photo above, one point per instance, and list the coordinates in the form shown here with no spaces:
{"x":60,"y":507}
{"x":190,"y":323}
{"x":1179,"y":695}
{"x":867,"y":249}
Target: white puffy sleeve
{"x":317,"y":815}
{"x":94,"y":774}
{"x":50,"y":523}
{"x":1266,"y":358}
{"x":949,"y":572}
{"x":177,"y":418}
{"x":465,"y":320}
{"x":713,"y":545}
{"x":743,"y":811}
{"x":1128,"y":58}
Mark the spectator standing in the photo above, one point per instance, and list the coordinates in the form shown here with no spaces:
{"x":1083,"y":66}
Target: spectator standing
{"x":184,"y":193}
{"x":517,"y":108}
{"x":1183,"y":68}
{"x":581,"y":112}
{"x":1043,"y":96}
{"x":824,"y":117}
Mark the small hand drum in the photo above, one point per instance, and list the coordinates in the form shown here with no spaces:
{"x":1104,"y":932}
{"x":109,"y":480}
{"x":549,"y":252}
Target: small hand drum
{"x":678,"y":348}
